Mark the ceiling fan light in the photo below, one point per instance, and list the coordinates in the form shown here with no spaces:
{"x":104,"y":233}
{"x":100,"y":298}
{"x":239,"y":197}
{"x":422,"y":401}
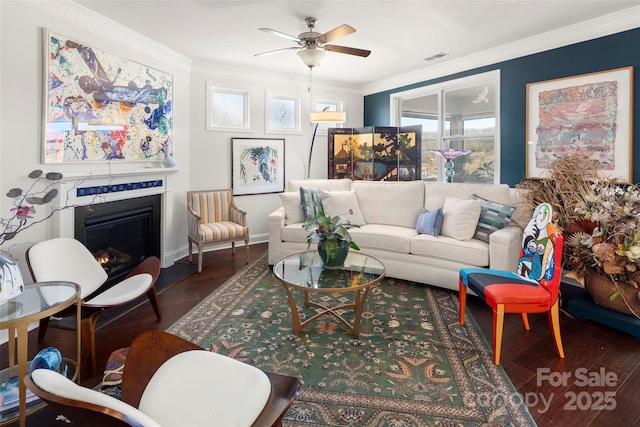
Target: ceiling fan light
{"x":311,"y":57}
{"x":328,"y":117}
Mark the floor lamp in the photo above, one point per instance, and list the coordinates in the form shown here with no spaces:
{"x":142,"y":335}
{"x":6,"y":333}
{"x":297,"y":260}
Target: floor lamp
{"x":323,"y":116}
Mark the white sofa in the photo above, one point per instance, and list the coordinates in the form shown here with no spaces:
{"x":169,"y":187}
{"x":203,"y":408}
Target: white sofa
{"x":390,"y":212}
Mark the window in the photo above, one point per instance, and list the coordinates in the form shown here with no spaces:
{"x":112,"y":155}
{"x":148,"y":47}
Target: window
{"x":461,"y":114}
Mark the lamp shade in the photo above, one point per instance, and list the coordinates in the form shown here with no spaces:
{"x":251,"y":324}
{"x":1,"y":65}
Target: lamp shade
{"x":328,"y":117}
{"x":311,"y":57}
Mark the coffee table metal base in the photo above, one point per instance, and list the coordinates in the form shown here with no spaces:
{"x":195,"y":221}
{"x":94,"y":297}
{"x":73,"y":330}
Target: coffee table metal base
{"x":357,"y":306}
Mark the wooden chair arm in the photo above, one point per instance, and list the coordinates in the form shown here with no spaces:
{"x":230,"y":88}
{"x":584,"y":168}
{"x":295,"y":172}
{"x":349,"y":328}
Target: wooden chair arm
{"x":238,"y":215}
{"x":147,"y":353}
{"x":284,"y":389}
{"x":150,"y":265}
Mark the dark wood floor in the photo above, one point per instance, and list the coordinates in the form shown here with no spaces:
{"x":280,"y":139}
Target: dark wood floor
{"x":591,"y":349}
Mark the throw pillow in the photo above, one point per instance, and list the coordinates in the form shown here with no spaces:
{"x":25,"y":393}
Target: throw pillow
{"x":493,"y":216}
{"x":292,"y":209}
{"x":430,"y":222}
{"x":310,"y":202}
{"x":340,"y":203}
{"x":460,"y":218}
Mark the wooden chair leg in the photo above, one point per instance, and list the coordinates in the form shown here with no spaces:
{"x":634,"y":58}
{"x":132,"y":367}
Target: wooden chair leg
{"x":153,"y":299}
{"x":525,"y":321}
{"x":190,"y":244}
{"x":42,"y":328}
{"x":246,"y":250}
{"x":498,"y":326}
{"x":462,"y":297}
{"x":89,"y":338}
{"x":554,"y":322}
{"x":233,"y":248}
{"x":200,"y":249}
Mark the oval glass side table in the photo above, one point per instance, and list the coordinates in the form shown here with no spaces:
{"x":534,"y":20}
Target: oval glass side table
{"x":38,"y":301}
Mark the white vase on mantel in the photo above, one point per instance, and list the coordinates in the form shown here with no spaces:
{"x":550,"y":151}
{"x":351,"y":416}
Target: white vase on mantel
{"x":169,"y":161}
{"x":11,"y":283}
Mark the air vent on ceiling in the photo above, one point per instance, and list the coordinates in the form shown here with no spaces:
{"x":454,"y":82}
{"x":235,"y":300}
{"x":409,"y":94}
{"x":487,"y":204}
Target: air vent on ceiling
{"x":436,"y":56}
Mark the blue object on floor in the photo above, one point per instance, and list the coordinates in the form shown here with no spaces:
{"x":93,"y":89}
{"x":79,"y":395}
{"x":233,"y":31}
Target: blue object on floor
{"x":583,"y":308}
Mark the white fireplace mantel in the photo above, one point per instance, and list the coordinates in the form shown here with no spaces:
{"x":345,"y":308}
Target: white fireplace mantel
{"x":82,"y":189}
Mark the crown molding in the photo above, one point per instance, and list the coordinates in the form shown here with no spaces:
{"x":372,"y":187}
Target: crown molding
{"x":592,"y":29}
{"x":86,"y":19}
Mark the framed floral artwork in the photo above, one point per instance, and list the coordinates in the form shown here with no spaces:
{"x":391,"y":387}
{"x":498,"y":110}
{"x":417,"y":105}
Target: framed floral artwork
{"x":282,"y":113}
{"x":257,"y":165}
{"x":227,"y":109}
{"x":101,"y":107}
{"x":589,"y":114}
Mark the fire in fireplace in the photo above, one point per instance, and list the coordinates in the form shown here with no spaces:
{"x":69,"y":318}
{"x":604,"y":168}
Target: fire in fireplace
{"x":120,"y":234}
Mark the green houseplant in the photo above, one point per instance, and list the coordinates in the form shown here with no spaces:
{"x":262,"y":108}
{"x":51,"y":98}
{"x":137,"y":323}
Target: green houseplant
{"x":334,"y":239}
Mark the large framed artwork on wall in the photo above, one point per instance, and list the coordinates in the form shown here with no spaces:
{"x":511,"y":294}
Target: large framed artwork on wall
{"x":589,"y":114}
{"x":375,"y":153}
{"x":102,"y":107}
{"x":257,"y":165}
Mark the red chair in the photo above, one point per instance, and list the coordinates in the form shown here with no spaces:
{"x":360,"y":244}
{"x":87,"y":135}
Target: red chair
{"x":533,"y":288}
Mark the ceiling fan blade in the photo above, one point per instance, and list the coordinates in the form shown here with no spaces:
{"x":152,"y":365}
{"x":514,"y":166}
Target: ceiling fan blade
{"x":277,"y":51}
{"x":281,"y":34}
{"x":347,"y":50}
{"x":341,"y":31}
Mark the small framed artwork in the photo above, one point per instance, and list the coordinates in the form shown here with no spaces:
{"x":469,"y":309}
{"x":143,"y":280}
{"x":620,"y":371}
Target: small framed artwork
{"x":227,"y":109}
{"x":257,"y":165}
{"x":283,"y":113}
{"x":589,"y":114}
{"x":325,"y":105}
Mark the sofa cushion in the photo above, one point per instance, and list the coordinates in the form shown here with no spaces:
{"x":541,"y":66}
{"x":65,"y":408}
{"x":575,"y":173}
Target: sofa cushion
{"x":294,"y":233}
{"x":460,"y":218}
{"x":390,"y":203}
{"x":493,"y":216}
{"x":437,"y":192}
{"x":292,"y":207}
{"x":310,"y":202}
{"x":323,"y":184}
{"x":387,"y":237}
{"x":343,"y":203}
{"x":469,"y":252}
{"x":430,"y":222}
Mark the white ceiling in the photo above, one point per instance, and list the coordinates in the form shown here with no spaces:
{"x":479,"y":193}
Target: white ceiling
{"x":400,"y":33}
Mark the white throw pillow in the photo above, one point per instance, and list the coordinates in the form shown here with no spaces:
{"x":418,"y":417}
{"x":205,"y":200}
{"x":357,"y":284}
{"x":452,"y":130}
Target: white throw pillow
{"x":460,"y":218}
{"x":340,"y":203}
{"x":292,"y":208}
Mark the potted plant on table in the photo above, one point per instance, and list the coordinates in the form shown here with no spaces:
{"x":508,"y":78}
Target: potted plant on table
{"x":333,"y":237}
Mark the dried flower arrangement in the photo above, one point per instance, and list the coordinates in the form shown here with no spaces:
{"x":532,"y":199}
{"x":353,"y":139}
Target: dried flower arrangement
{"x":599,"y":216}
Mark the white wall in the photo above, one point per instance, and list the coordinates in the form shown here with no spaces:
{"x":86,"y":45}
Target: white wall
{"x":203,"y":157}
{"x":210,"y":165}
{"x":21,"y":111}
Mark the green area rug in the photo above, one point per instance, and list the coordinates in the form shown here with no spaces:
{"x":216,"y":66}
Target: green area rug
{"x":414,"y":365}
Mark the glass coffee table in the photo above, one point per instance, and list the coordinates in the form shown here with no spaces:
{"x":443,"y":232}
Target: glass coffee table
{"x":304,"y":271}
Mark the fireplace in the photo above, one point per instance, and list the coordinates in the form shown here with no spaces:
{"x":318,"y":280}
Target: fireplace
{"x":120,"y":233}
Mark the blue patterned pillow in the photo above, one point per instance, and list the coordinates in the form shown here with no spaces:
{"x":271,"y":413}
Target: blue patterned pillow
{"x":430,"y":222}
{"x":493,"y":217}
{"x":310,"y":202}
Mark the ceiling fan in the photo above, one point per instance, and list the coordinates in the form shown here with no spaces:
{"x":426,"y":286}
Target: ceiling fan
{"x":312,"y":44}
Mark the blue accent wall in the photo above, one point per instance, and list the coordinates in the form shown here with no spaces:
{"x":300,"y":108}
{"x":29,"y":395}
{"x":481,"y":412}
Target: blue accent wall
{"x":601,"y":54}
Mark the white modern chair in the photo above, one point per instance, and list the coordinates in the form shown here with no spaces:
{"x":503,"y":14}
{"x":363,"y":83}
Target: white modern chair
{"x":65,"y":259}
{"x":213,"y":218}
{"x":170,"y":382}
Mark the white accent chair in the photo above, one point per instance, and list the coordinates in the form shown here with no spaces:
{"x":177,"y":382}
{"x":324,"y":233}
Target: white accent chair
{"x":170,"y":382}
{"x":66,"y":259}
{"x":213,"y":219}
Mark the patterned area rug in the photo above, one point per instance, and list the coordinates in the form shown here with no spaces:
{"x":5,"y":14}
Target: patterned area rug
{"x":414,"y":365}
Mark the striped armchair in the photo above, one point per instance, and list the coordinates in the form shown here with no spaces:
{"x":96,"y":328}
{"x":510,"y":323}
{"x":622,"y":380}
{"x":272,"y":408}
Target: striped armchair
{"x":214,"y":218}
